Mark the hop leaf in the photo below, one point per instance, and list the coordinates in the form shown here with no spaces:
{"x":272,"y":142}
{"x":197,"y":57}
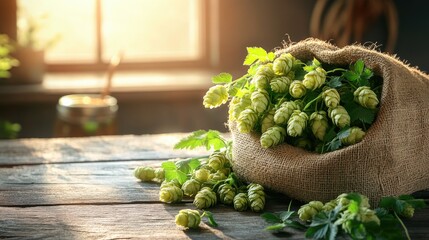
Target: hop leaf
{"x":201,"y":138}
{"x":222,"y":78}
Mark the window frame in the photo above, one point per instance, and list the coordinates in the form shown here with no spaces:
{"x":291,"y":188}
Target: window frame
{"x":203,"y":62}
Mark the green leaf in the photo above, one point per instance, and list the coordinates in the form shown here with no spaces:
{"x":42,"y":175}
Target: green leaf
{"x":210,"y":217}
{"x":316,"y":62}
{"x":357,"y":112}
{"x":295,"y":224}
{"x":351,"y":76}
{"x":188,"y":165}
{"x":344,"y":133}
{"x":335,"y":82}
{"x":181,"y":177}
{"x":168,"y":165}
{"x":286,"y":215}
{"x":201,"y":138}
{"x":255,"y":53}
{"x":222,"y":78}
{"x":309,"y":68}
{"x":330,"y":134}
{"x":271,"y":56}
{"x":276,"y":227}
{"x":252,"y":69}
{"x":271,"y":217}
{"x":170,"y":175}
{"x":358,"y":67}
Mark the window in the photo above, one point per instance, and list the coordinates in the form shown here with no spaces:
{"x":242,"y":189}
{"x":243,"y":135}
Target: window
{"x":151,"y":34}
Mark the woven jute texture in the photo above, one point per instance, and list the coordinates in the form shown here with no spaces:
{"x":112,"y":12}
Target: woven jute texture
{"x":392,"y":159}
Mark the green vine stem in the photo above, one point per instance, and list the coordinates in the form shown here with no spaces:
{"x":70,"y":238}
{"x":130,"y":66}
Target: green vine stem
{"x":403,"y":225}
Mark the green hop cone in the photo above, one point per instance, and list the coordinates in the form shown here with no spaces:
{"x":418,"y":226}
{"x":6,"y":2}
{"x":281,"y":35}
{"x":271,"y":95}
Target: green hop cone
{"x":173,"y":182}
{"x":283,"y":114}
{"x":368,"y":215}
{"x":280,"y":84}
{"x":261,"y":82}
{"x":238,"y":105}
{"x":217,"y":176}
{"x":202,"y":175}
{"x":297,"y":123}
{"x":217,"y":160}
{"x":170,"y":194}
{"x":339,"y":116}
{"x":241,"y":202}
{"x":331,"y":97}
{"x":297,"y":89}
{"x":408,"y":211}
{"x":266,"y":70}
{"x":215,"y":96}
{"x":205,"y":198}
{"x":366,"y":97}
{"x":191,"y":187}
{"x":307,"y":211}
{"x":273,"y":136}
{"x":319,"y":124}
{"x":283,"y":64}
{"x":247,"y":120}
{"x":268,"y":120}
{"x":226,"y":193}
{"x":304,"y":143}
{"x":144,"y":173}
{"x":226,"y":171}
{"x":356,"y":135}
{"x":188,"y":218}
{"x":256,"y":197}
{"x":329,"y":205}
{"x":344,"y":201}
{"x":160,"y":174}
{"x":260,"y":100}
{"x":314,"y":79}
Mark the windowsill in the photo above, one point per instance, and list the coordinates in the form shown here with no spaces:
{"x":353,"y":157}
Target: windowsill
{"x":125,"y":84}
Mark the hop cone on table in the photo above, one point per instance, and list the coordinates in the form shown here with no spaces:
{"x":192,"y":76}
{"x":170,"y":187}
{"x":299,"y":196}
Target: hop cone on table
{"x":256,"y":196}
{"x":356,"y":135}
{"x":226,"y":193}
{"x":297,"y":89}
{"x":144,"y":173}
{"x":215,"y":96}
{"x":280,"y":84}
{"x":188,"y":218}
{"x":205,"y":198}
{"x":217,"y":161}
{"x":283,"y":64}
{"x":339,"y":116}
{"x":268,"y":120}
{"x":283,"y":114}
{"x":308,"y":211}
{"x":273,"y":136}
{"x":314,"y":79}
{"x":241,"y":202}
{"x":297,"y":123}
{"x":366,"y":97}
{"x":217,"y":176}
{"x":202,"y":175}
{"x":247,"y":120}
{"x":331,"y":97}
{"x":170,"y":194}
{"x":260,"y":100}
{"x":319,"y":124}
{"x":191,"y":187}
{"x":160,"y":174}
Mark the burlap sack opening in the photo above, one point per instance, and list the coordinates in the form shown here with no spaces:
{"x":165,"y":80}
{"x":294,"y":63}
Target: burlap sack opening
{"x":392,"y":159}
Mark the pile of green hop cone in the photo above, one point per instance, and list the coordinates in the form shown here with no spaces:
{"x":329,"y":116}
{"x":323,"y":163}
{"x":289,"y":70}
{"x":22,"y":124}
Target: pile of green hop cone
{"x":315,"y":106}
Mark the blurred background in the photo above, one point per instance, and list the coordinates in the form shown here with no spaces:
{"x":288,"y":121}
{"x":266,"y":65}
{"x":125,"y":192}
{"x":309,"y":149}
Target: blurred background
{"x":170,"y":49}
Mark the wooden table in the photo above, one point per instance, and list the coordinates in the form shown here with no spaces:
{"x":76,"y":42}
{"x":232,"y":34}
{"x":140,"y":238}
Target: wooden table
{"x":83,"y":188}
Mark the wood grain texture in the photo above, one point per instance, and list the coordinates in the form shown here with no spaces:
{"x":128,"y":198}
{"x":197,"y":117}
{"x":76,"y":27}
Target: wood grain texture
{"x":104,"y":148}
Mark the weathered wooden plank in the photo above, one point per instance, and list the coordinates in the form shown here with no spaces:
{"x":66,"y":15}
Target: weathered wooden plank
{"x":147,"y":221}
{"x":104,"y":148}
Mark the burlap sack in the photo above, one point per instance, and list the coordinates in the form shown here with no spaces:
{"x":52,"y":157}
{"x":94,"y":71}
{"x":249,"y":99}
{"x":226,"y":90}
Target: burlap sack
{"x":392,"y":159}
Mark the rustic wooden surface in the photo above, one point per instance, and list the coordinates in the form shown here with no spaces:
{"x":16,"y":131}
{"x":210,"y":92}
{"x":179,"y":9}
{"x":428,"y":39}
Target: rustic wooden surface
{"x":83,"y":188}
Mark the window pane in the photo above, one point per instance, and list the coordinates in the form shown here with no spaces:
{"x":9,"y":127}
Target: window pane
{"x":72,"y":21}
{"x":148,"y":30}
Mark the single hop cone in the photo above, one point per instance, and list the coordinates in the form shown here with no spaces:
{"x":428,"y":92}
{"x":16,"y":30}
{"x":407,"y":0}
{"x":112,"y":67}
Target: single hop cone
{"x":174,"y":183}
{"x":260,"y":100}
{"x":160,"y":174}
{"x":330,"y":205}
{"x":314,"y":79}
{"x":241,"y":202}
{"x":283,"y":64}
{"x":331,"y":97}
{"x":188,"y":218}
{"x":217,"y":160}
{"x":238,"y":105}
{"x":297,"y":89}
{"x":217,"y":176}
{"x":283,"y":114}
{"x":273,"y":136}
{"x":215,"y":96}
{"x":191,"y":187}
{"x":356,"y":135}
{"x":205,"y":198}
{"x":226,"y":193}
{"x":261,"y":82}
{"x":308,"y":211}
{"x":339,"y":116}
{"x":247,"y":120}
{"x":226,"y":171}
{"x":202,"y":175}
{"x":368,"y":215}
{"x":144,"y":173}
{"x":297,"y":123}
{"x":280,"y":84}
{"x":256,"y":197}
{"x":268,"y":121}
{"x":408,"y":211}
{"x":319,"y":124}
{"x":170,"y":194}
{"x":265,"y":70}
{"x":366,"y":97}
